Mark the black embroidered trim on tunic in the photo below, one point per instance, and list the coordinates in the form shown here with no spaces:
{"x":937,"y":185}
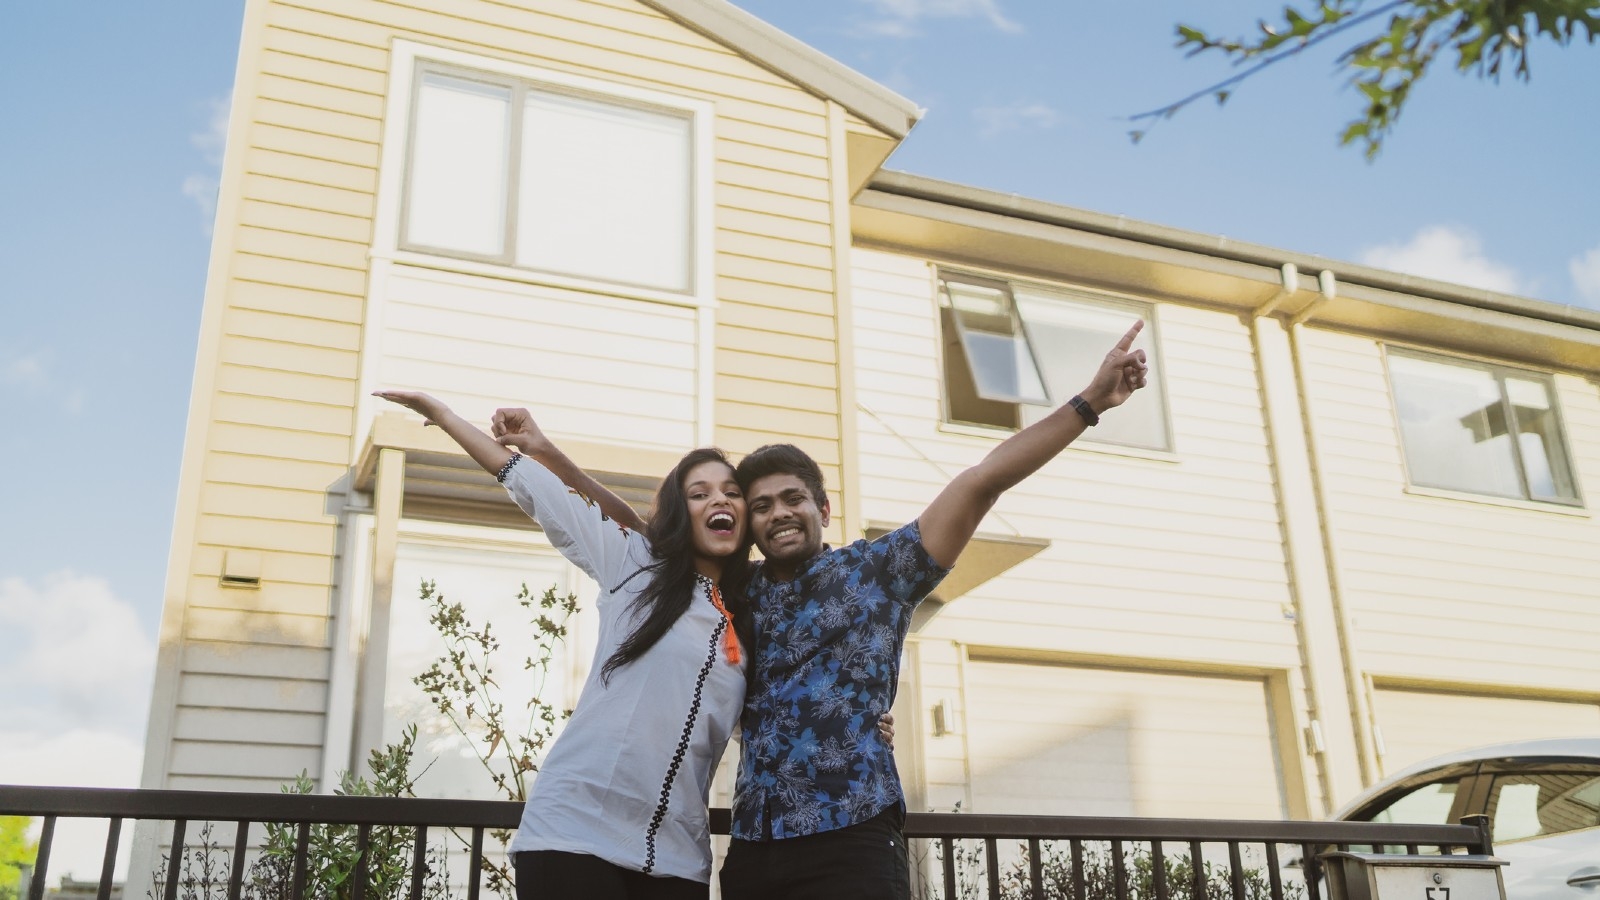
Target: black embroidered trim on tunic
{"x":505,"y":470}
{"x":683,"y":742}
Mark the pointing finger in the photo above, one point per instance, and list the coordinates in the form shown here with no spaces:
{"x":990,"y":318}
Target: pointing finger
{"x":1127,"y":339}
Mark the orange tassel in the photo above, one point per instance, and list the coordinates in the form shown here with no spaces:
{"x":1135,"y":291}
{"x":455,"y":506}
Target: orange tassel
{"x":730,"y":641}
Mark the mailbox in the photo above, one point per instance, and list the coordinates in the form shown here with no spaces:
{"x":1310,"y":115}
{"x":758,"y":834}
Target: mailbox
{"x":1392,"y":876}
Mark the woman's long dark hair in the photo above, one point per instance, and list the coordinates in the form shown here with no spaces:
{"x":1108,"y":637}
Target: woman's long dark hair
{"x":671,"y":589}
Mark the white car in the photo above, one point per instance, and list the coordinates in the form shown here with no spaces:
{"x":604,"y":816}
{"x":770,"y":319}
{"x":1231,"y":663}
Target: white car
{"x":1542,"y":798}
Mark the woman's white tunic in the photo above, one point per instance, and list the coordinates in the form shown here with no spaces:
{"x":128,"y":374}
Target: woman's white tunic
{"x":629,"y":778}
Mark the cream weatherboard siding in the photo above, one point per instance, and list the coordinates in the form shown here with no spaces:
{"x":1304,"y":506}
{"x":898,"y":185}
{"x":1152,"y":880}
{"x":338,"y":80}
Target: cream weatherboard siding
{"x":1176,"y":557}
{"x":1494,"y":601}
{"x":242,"y":698}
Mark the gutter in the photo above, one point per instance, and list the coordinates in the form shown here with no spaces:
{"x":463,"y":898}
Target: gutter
{"x":1015,"y":206}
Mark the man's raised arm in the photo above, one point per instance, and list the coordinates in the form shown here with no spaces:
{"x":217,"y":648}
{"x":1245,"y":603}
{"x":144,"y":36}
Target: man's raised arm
{"x":951,"y":519}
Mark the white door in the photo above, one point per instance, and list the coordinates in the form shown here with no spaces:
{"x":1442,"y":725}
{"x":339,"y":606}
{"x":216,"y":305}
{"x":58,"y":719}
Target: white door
{"x":486,"y":583}
{"x":1065,"y":741}
{"x":1417,"y":725}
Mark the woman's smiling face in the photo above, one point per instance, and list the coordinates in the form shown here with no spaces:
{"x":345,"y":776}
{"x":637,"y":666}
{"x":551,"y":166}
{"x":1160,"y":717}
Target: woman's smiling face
{"x":716,"y":509}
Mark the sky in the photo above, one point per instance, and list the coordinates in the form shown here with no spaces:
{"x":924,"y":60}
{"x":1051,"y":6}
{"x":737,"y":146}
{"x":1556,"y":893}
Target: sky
{"x":113,"y":116}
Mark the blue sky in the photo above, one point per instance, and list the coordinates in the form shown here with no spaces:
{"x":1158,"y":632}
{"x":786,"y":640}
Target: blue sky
{"x":112,"y":120}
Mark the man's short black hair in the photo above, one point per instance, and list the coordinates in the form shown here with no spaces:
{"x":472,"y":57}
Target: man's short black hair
{"x":782,"y":459}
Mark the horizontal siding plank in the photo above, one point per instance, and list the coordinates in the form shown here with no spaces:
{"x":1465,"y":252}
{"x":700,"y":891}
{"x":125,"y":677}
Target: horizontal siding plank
{"x":314,"y":145}
{"x":776,"y":321}
{"x":803,"y":231}
{"x":764,"y":368}
{"x":240,"y":759}
{"x":781,"y":346}
{"x":335,"y":124}
{"x":790,"y":396}
{"x":296,"y":274}
{"x":774,"y":295}
{"x":361,"y":179}
{"x":733,"y":196}
{"x":270,"y":694}
{"x":286,"y":192}
{"x":253,"y":726}
{"x":256,"y":627}
{"x":310,"y":222}
{"x":257,"y":660}
{"x":248,"y":323}
{"x":769,"y":272}
{"x":287,"y":386}
{"x":223,"y":467}
{"x":324,"y":72}
{"x":797,"y":422}
{"x":292,"y":568}
{"x":332,"y":362}
{"x":279,"y":443}
{"x":299,"y":302}
{"x":244,"y":409}
{"x":281,"y":37}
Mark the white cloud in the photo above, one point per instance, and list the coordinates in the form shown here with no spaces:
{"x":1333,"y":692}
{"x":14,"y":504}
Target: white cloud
{"x":899,"y":18}
{"x":1447,"y":253}
{"x":24,"y":371}
{"x":1585,"y":271}
{"x":72,"y":656}
{"x":996,"y":120}
{"x":202,"y":187}
{"x":76,"y":665}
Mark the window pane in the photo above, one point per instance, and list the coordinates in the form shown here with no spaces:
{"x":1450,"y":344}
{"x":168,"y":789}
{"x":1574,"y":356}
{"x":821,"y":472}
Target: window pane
{"x":1544,"y":457}
{"x":1071,"y":340}
{"x":1453,"y":426}
{"x":458,"y":166}
{"x":486,"y":583}
{"x":605,"y":192}
{"x":1529,"y":805}
{"x":1426,"y":805}
{"x":1002,"y":366}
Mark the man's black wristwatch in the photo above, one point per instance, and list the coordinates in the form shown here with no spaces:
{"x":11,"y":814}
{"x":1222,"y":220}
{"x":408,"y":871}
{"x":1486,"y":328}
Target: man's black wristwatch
{"x":1090,"y":417}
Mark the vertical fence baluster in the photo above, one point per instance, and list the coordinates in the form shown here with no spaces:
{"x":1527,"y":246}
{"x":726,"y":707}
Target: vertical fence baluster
{"x":1236,"y":870}
{"x":41,"y":859}
{"x":477,"y":863}
{"x":1274,"y":877}
{"x":419,"y":862}
{"x":1080,"y":890}
{"x":1119,"y":870}
{"x":1411,"y":849}
{"x":1197,"y":871}
{"x":991,"y":856}
{"x":1308,"y":865}
{"x":241,"y":846}
{"x":363,"y":871}
{"x":1036,"y":868}
{"x":1158,"y":870}
{"x":302,"y":845}
{"x":175,"y":858}
{"x":108,"y":867}
{"x":949,"y":846}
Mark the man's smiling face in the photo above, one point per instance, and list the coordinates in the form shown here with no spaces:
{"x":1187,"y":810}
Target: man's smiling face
{"x":786,"y":522}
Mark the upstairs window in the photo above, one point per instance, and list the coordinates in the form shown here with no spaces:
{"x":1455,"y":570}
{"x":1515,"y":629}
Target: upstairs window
{"x":1013,"y":353}
{"x":1480,"y":428}
{"x":515,"y":173}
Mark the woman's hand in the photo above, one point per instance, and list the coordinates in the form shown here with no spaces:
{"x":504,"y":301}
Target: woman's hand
{"x":514,"y":427}
{"x":430,"y":408}
{"x":886,"y":729}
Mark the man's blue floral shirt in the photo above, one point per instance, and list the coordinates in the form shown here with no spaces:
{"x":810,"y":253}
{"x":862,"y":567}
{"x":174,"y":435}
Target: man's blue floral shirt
{"x":827,"y":663}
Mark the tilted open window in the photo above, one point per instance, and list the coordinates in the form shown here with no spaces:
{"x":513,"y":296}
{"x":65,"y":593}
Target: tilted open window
{"x":1014,"y":352}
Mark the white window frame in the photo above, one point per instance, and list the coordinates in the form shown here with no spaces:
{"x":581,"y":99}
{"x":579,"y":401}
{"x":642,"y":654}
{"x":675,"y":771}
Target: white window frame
{"x":1499,"y":371}
{"x":1143,"y":309}
{"x":407,"y":61}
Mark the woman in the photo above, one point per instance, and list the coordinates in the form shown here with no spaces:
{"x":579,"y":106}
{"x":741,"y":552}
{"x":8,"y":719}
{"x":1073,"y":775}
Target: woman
{"x":618,"y":809}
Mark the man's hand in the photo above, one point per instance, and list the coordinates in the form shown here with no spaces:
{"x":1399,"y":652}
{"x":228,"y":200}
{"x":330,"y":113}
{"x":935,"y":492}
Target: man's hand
{"x":430,"y":408}
{"x":514,"y":427}
{"x":1123,"y":371}
{"x":886,"y":729}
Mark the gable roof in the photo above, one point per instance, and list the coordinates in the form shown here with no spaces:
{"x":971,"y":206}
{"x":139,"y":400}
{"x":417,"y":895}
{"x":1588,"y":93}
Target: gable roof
{"x":795,"y":60}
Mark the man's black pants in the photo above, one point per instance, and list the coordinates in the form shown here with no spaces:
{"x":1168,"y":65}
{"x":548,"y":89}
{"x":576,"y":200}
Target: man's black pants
{"x":866,"y":861}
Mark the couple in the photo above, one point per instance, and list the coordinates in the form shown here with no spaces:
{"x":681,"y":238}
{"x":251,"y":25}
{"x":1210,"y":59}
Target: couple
{"x":802,"y":650}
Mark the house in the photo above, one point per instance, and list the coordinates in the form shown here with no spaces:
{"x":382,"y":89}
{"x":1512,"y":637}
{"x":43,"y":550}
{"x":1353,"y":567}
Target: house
{"x":1346,"y":527}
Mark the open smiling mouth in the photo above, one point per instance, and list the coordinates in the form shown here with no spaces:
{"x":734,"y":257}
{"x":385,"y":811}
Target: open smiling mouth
{"x":785,"y":531}
{"x":721,"y":523}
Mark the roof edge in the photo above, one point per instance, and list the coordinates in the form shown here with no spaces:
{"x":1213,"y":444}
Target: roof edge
{"x":795,"y":60}
{"x":1016,"y":206}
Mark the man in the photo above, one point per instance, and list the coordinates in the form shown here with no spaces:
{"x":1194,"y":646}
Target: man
{"x":818,"y":809}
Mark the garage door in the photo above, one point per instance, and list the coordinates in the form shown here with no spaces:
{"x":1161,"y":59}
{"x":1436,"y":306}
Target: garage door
{"x":1415,"y":725}
{"x":1058,"y":740}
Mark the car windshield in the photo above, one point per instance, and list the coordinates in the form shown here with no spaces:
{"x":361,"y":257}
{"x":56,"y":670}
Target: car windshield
{"x":1426,"y":805}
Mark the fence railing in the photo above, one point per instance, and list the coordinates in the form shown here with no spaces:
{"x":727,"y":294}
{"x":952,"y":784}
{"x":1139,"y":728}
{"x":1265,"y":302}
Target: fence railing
{"x":994,"y":856}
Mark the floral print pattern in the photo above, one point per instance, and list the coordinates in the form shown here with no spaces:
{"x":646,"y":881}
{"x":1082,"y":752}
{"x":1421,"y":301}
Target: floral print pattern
{"x":827,"y":663}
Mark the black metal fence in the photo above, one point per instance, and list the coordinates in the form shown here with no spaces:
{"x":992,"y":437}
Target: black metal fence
{"x":1023,"y":857}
